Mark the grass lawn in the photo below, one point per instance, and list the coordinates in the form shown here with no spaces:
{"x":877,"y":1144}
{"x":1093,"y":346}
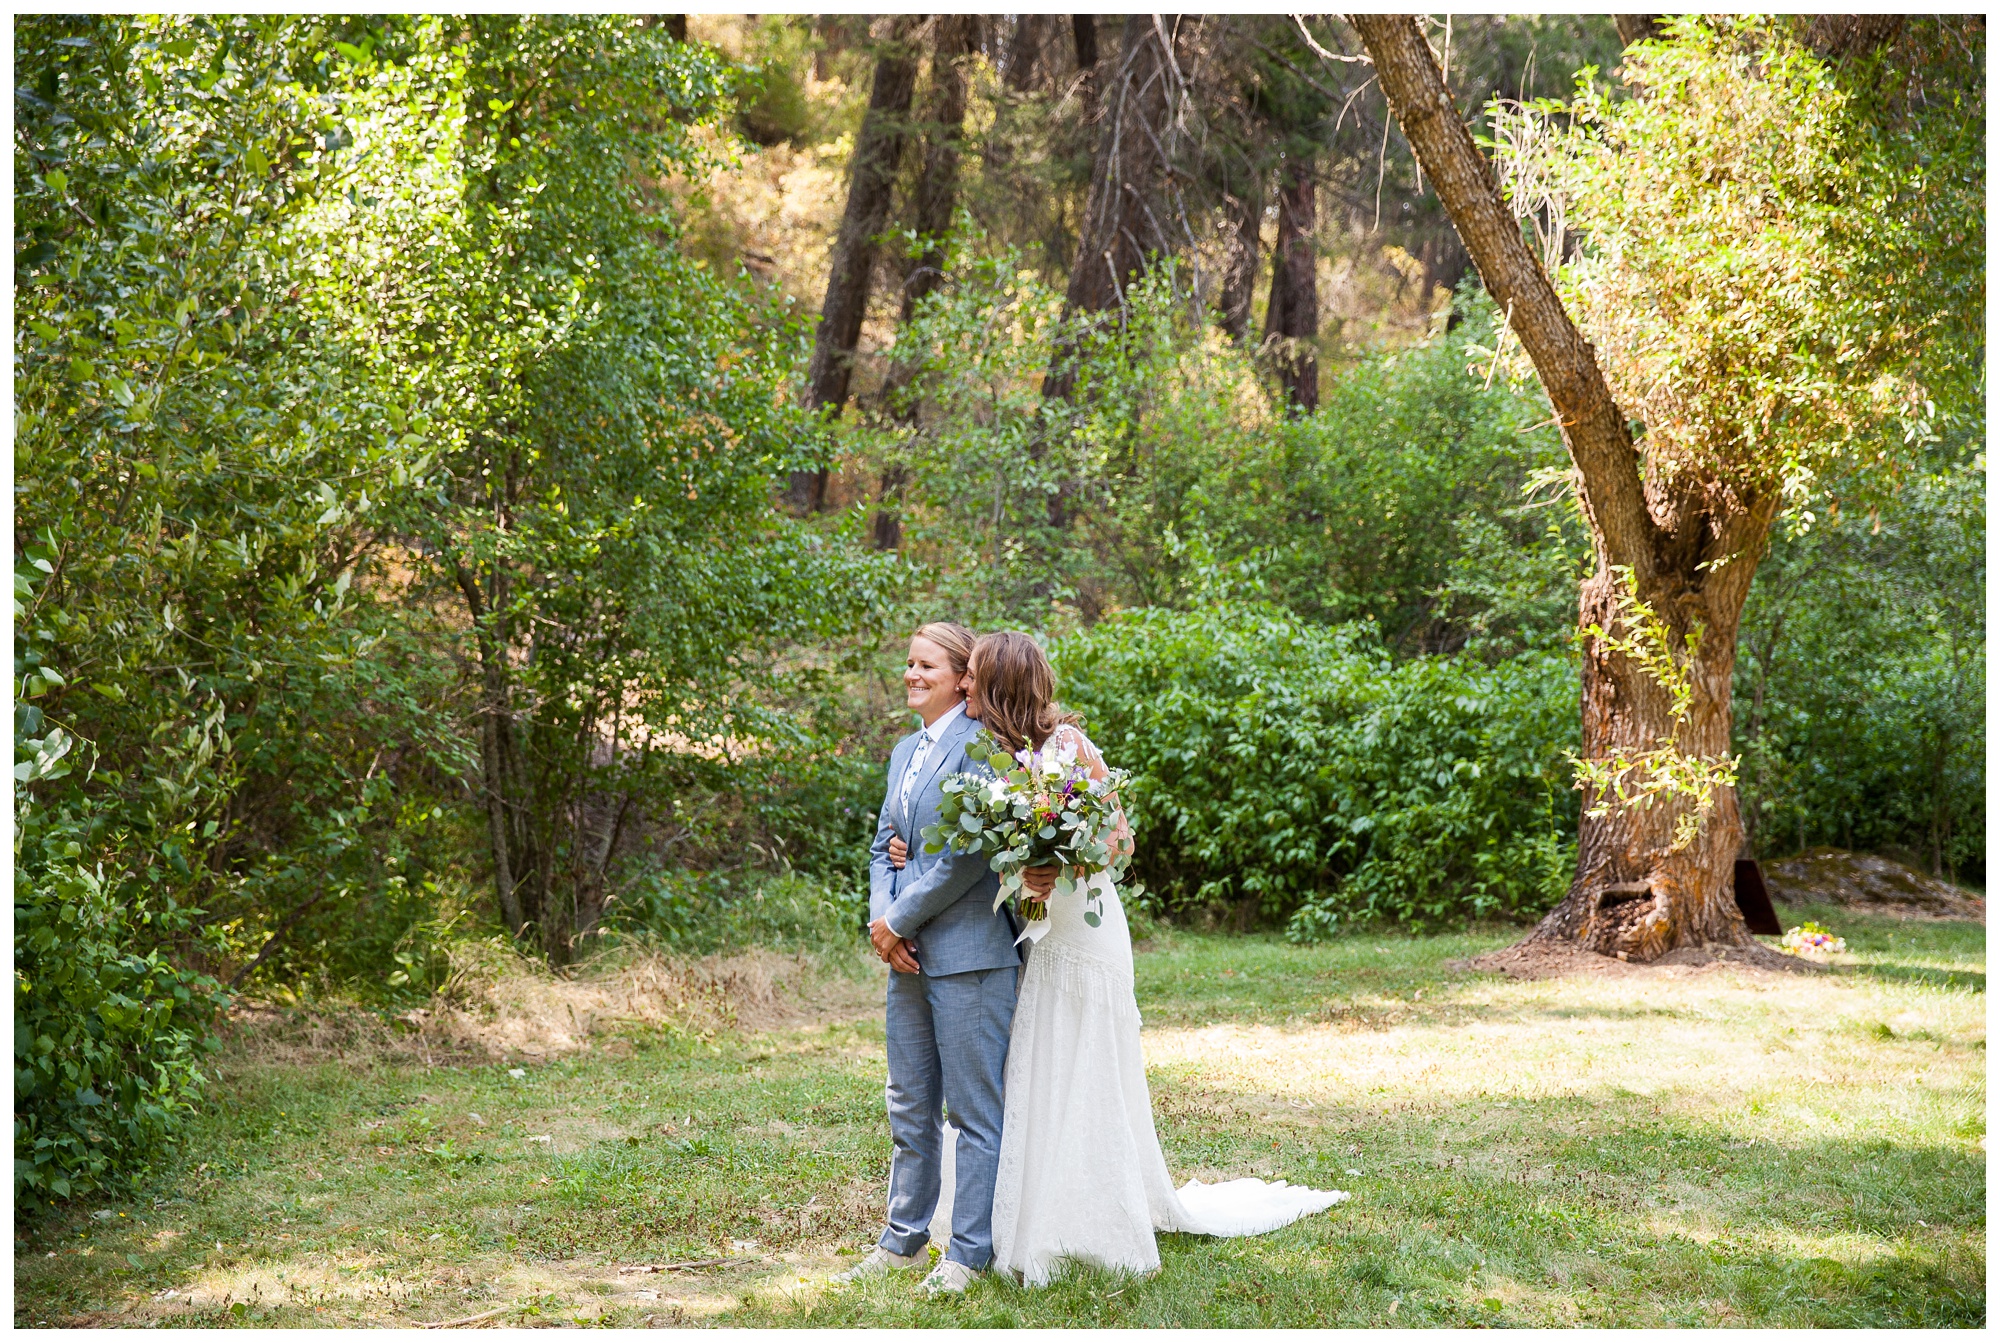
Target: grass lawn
{"x":1663,"y":1147}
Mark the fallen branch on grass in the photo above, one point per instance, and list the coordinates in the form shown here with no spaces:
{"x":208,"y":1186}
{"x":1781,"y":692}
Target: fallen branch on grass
{"x":470,"y":1319}
{"x":689,"y":1263}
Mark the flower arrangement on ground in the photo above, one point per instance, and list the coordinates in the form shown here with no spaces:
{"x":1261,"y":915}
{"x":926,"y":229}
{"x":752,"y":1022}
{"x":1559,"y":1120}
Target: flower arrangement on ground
{"x":1811,"y":940}
{"x":1040,"y":808}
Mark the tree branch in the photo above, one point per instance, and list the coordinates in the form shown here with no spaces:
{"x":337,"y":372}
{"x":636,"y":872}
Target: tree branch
{"x":1593,"y":427}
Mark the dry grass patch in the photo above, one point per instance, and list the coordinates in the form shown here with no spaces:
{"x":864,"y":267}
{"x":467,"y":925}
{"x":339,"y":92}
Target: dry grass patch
{"x":509,"y":1006}
{"x":497,"y":1004}
{"x":1715,"y":1039}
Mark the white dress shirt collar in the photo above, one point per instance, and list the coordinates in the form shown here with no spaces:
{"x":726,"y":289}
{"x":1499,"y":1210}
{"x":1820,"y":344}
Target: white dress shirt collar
{"x":937,"y":729}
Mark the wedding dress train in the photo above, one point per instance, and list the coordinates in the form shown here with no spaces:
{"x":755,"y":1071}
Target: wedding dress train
{"x":1081,"y":1172}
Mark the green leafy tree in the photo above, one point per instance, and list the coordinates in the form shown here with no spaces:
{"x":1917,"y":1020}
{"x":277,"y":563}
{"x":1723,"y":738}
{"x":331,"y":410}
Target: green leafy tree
{"x":1777,"y":246}
{"x":204,"y":699}
{"x":608,"y":417}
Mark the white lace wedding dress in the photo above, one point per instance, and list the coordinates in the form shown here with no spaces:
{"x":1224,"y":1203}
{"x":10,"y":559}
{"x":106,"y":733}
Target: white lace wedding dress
{"x":1081,"y":1173}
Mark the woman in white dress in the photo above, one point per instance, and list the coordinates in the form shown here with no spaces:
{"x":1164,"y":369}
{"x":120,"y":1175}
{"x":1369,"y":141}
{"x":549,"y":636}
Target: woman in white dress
{"x":1081,"y":1173}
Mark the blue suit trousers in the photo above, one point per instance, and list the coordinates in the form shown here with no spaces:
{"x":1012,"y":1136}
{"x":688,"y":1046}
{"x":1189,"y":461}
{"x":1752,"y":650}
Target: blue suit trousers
{"x":947,"y":1045}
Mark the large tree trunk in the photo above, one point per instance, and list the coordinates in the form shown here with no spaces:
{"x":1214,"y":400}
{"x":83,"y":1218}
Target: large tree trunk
{"x":1639,"y":891}
{"x":1121,"y":221}
{"x":1083,"y":31}
{"x":955,"y":40}
{"x":1636,"y":27}
{"x":1291,"y":318}
{"x":871,"y":177}
{"x":1244,"y":215}
{"x":1083,"y":36}
{"x":1024,"y":49}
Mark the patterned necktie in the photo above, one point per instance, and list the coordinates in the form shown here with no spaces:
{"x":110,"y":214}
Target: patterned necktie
{"x":920,"y":754}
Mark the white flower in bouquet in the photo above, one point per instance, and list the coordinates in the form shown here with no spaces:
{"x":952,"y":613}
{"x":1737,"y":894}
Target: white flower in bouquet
{"x":1039,"y":809}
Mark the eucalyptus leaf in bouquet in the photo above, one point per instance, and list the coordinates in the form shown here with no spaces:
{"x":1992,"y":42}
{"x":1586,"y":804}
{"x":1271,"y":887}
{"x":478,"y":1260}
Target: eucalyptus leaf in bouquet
{"x":1039,"y":808}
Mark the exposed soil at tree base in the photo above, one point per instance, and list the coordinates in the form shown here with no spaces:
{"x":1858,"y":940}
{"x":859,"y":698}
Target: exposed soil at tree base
{"x":1549,"y":960}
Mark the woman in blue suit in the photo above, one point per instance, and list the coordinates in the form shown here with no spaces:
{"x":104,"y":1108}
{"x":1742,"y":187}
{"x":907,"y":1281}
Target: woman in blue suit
{"x":953,"y":968}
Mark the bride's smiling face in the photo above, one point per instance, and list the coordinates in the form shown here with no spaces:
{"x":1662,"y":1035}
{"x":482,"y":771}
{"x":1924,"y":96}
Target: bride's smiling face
{"x":930,"y":685}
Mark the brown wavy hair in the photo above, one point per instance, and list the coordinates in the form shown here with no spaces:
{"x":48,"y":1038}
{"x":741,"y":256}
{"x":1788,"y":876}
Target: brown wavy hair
{"x":955,"y":639}
{"x":1017,"y":690}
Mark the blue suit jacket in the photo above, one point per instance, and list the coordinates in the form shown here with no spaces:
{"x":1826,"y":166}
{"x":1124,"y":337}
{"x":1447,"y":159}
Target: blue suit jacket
{"x":943,"y":902}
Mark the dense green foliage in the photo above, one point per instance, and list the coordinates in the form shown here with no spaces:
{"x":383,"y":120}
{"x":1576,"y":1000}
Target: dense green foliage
{"x":698,"y":913}
{"x":313,"y":344}
{"x":194,"y":468}
{"x":1402,"y":500}
{"x":108,"y":1032}
{"x":607,"y":420}
{"x":1860,"y":704}
{"x":1297,"y":772}
{"x":1776,"y":255}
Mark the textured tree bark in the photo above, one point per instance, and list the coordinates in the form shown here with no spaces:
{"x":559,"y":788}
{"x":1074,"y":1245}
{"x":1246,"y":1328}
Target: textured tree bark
{"x":1691,"y":555}
{"x":492,"y":722}
{"x":886,"y":527}
{"x":878,"y":150}
{"x":1636,"y":27}
{"x":1083,"y":31}
{"x":1083,"y":43}
{"x":1244,"y":214}
{"x":955,"y":40}
{"x":1835,"y":37}
{"x":1024,"y":50}
{"x":1291,"y":317}
{"x":1120,"y":224}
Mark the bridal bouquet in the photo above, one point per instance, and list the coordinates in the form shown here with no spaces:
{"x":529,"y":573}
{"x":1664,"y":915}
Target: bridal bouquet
{"x":1038,"y":810}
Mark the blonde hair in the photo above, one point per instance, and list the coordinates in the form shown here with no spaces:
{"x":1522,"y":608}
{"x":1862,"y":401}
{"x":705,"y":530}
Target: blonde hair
{"x":1017,"y":691}
{"x":955,"y":639}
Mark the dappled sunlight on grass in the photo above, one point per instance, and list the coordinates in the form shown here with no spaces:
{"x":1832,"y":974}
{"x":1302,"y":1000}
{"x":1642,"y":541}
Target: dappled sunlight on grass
{"x":1676,"y":1147}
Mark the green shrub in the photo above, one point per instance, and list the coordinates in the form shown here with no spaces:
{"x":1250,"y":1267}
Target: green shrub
{"x":1297,"y":772}
{"x":108,"y":1034}
{"x":820,"y":818}
{"x":1858,"y":710}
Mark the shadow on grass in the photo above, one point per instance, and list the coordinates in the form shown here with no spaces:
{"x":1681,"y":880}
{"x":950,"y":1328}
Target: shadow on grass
{"x":1930,"y":976}
{"x":664,"y":1149}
